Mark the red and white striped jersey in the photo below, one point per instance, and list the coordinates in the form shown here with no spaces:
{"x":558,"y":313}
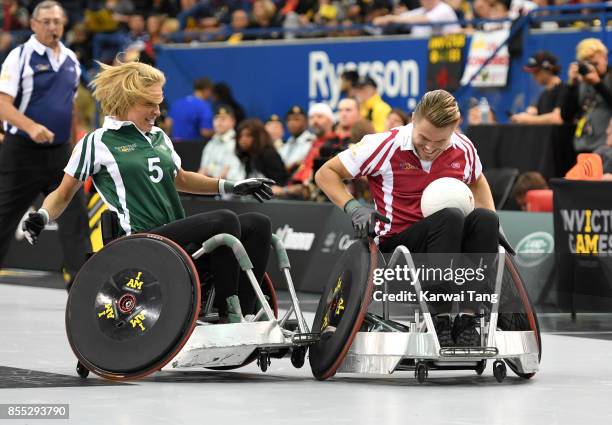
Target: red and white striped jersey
{"x":398,"y":177}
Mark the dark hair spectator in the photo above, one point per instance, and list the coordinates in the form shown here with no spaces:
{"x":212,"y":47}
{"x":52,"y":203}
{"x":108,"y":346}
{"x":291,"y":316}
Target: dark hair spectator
{"x":222,"y":94}
{"x":397,"y":118}
{"x":255,"y":149}
{"x":530,"y":180}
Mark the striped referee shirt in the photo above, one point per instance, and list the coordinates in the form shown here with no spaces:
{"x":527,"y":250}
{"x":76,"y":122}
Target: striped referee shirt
{"x":398,"y":177}
{"x":42,"y":85}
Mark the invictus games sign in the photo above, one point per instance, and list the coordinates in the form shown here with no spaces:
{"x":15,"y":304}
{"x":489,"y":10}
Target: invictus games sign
{"x":583,"y":241}
{"x":588,"y":231}
{"x":583,"y":217}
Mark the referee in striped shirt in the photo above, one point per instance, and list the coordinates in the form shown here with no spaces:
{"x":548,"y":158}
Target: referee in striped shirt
{"x":38,"y":84}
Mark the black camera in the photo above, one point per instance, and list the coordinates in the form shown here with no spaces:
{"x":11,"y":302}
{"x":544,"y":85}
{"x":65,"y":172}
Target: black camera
{"x":584,"y":68}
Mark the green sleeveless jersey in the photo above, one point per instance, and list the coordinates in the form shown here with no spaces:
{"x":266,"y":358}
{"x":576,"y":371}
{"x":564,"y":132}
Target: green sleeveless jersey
{"x":132,"y":171}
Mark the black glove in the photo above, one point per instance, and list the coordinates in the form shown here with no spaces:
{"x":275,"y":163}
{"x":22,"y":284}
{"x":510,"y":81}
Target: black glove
{"x":33,"y":225}
{"x":363,"y":218}
{"x":258,"y":187}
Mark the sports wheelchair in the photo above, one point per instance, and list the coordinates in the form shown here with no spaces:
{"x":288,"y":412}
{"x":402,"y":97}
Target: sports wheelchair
{"x":137,"y":307}
{"x":364,"y":342}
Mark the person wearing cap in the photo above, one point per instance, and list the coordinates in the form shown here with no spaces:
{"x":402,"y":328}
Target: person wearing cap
{"x":590,"y":94}
{"x":219,"y":158}
{"x":321,"y":121}
{"x":298,"y":144}
{"x":550,"y":107}
{"x":275,"y":129}
{"x":373,"y":107}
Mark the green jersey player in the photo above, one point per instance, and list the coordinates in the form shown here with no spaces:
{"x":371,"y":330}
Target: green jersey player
{"x":138,"y":175}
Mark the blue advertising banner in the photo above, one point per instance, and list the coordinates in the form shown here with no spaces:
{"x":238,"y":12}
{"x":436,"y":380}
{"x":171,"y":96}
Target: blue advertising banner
{"x":267,"y":78}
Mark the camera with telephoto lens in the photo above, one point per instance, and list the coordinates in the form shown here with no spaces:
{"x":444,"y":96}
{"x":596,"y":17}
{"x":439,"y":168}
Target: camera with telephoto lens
{"x":584,"y":68}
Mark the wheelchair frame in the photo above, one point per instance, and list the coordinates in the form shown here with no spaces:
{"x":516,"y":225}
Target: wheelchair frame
{"x":419,"y":350}
{"x":233,"y":345}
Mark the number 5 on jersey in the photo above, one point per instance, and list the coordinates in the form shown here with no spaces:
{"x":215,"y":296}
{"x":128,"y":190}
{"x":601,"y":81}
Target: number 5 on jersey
{"x":155,"y":169}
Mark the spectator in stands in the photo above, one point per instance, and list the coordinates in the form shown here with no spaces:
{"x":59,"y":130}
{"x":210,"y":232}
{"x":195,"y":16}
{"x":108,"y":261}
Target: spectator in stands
{"x":480,"y":113}
{"x":321,"y":122}
{"x":190,"y":117}
{"x":298,"y":144}
{"x":264,"y":14}
{"x":550,"y":107}
{"x":590,"y":92}
{"x":372,"y":106}
{"x":348,"y":79}
{"x":239,"y":23}
{"x":219,"y":158}
{"x":137,"y":38}
{"x":430,"y":12}
{"x":361,"y":129}
{"x":397,"y":118}
{"x":163,"y":7}
{"x":348,"y":115}
{"x":531,"y":180}
{"x":326,"y":13}
{"x":13,"y":17}
{"x":255,"y":149}
{"x":275,"y":129}
{"x":81,"y":45}
{"x":367,"y":10}
{"x":222,"y":95}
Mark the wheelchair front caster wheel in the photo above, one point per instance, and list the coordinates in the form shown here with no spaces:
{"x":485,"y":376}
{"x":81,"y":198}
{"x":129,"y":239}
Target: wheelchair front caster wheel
{"x":421,"y":372}
{"x":263,"y":361}
{"x":482,"y":365}
{"x":499,"y":370}
{"x":81,"y":370}
{"x":298,"y":356}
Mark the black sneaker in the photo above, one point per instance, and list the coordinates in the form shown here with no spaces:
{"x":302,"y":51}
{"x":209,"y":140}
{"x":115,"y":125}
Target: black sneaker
{"x":465,"y":333}
{"x":442,"y":323}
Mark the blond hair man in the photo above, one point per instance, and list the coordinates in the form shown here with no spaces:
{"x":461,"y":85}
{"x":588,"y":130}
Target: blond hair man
{"x":590,"y":93}
{"x":399,"y":164}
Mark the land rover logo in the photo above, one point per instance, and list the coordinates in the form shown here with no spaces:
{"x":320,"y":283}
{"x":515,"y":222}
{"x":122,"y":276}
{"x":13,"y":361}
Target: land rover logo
{"x":533,"y":249}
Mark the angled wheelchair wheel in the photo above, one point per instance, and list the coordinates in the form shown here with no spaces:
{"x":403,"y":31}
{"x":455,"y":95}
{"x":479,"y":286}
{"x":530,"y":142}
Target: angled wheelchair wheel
{"x":132,"y":307}
{"x":519,"y":314}
{"x":343,"y":306}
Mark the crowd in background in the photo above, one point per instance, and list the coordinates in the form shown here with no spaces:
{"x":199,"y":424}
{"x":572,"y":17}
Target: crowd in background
{"x":137,"y":26}
{"x":292,"y":144}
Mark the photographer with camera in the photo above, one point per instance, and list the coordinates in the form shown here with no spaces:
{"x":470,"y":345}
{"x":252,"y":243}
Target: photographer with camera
{"x":590,"y":92}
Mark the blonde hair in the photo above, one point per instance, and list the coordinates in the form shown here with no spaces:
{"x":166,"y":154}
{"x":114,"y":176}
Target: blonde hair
{"x":439,"y":107}
{"x":119,"y":87}
{"x":588,"y":47}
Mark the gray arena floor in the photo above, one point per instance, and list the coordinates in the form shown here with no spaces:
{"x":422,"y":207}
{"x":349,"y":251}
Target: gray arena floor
{"x":573,"y":386}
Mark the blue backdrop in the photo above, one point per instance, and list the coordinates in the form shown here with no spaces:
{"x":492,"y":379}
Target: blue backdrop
{"x":269,"y":78}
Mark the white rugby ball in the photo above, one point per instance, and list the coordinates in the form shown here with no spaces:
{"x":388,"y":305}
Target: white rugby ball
{"x":447,"y":192}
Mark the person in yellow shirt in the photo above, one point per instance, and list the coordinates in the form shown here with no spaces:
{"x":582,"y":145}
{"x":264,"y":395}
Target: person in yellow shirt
{"x":373,"y":107}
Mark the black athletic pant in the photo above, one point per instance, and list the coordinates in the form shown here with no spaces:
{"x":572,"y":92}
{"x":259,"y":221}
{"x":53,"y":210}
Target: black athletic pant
{"x":28,"y":169}
{"x":254,"y":231}
{"x":449,"y":232}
